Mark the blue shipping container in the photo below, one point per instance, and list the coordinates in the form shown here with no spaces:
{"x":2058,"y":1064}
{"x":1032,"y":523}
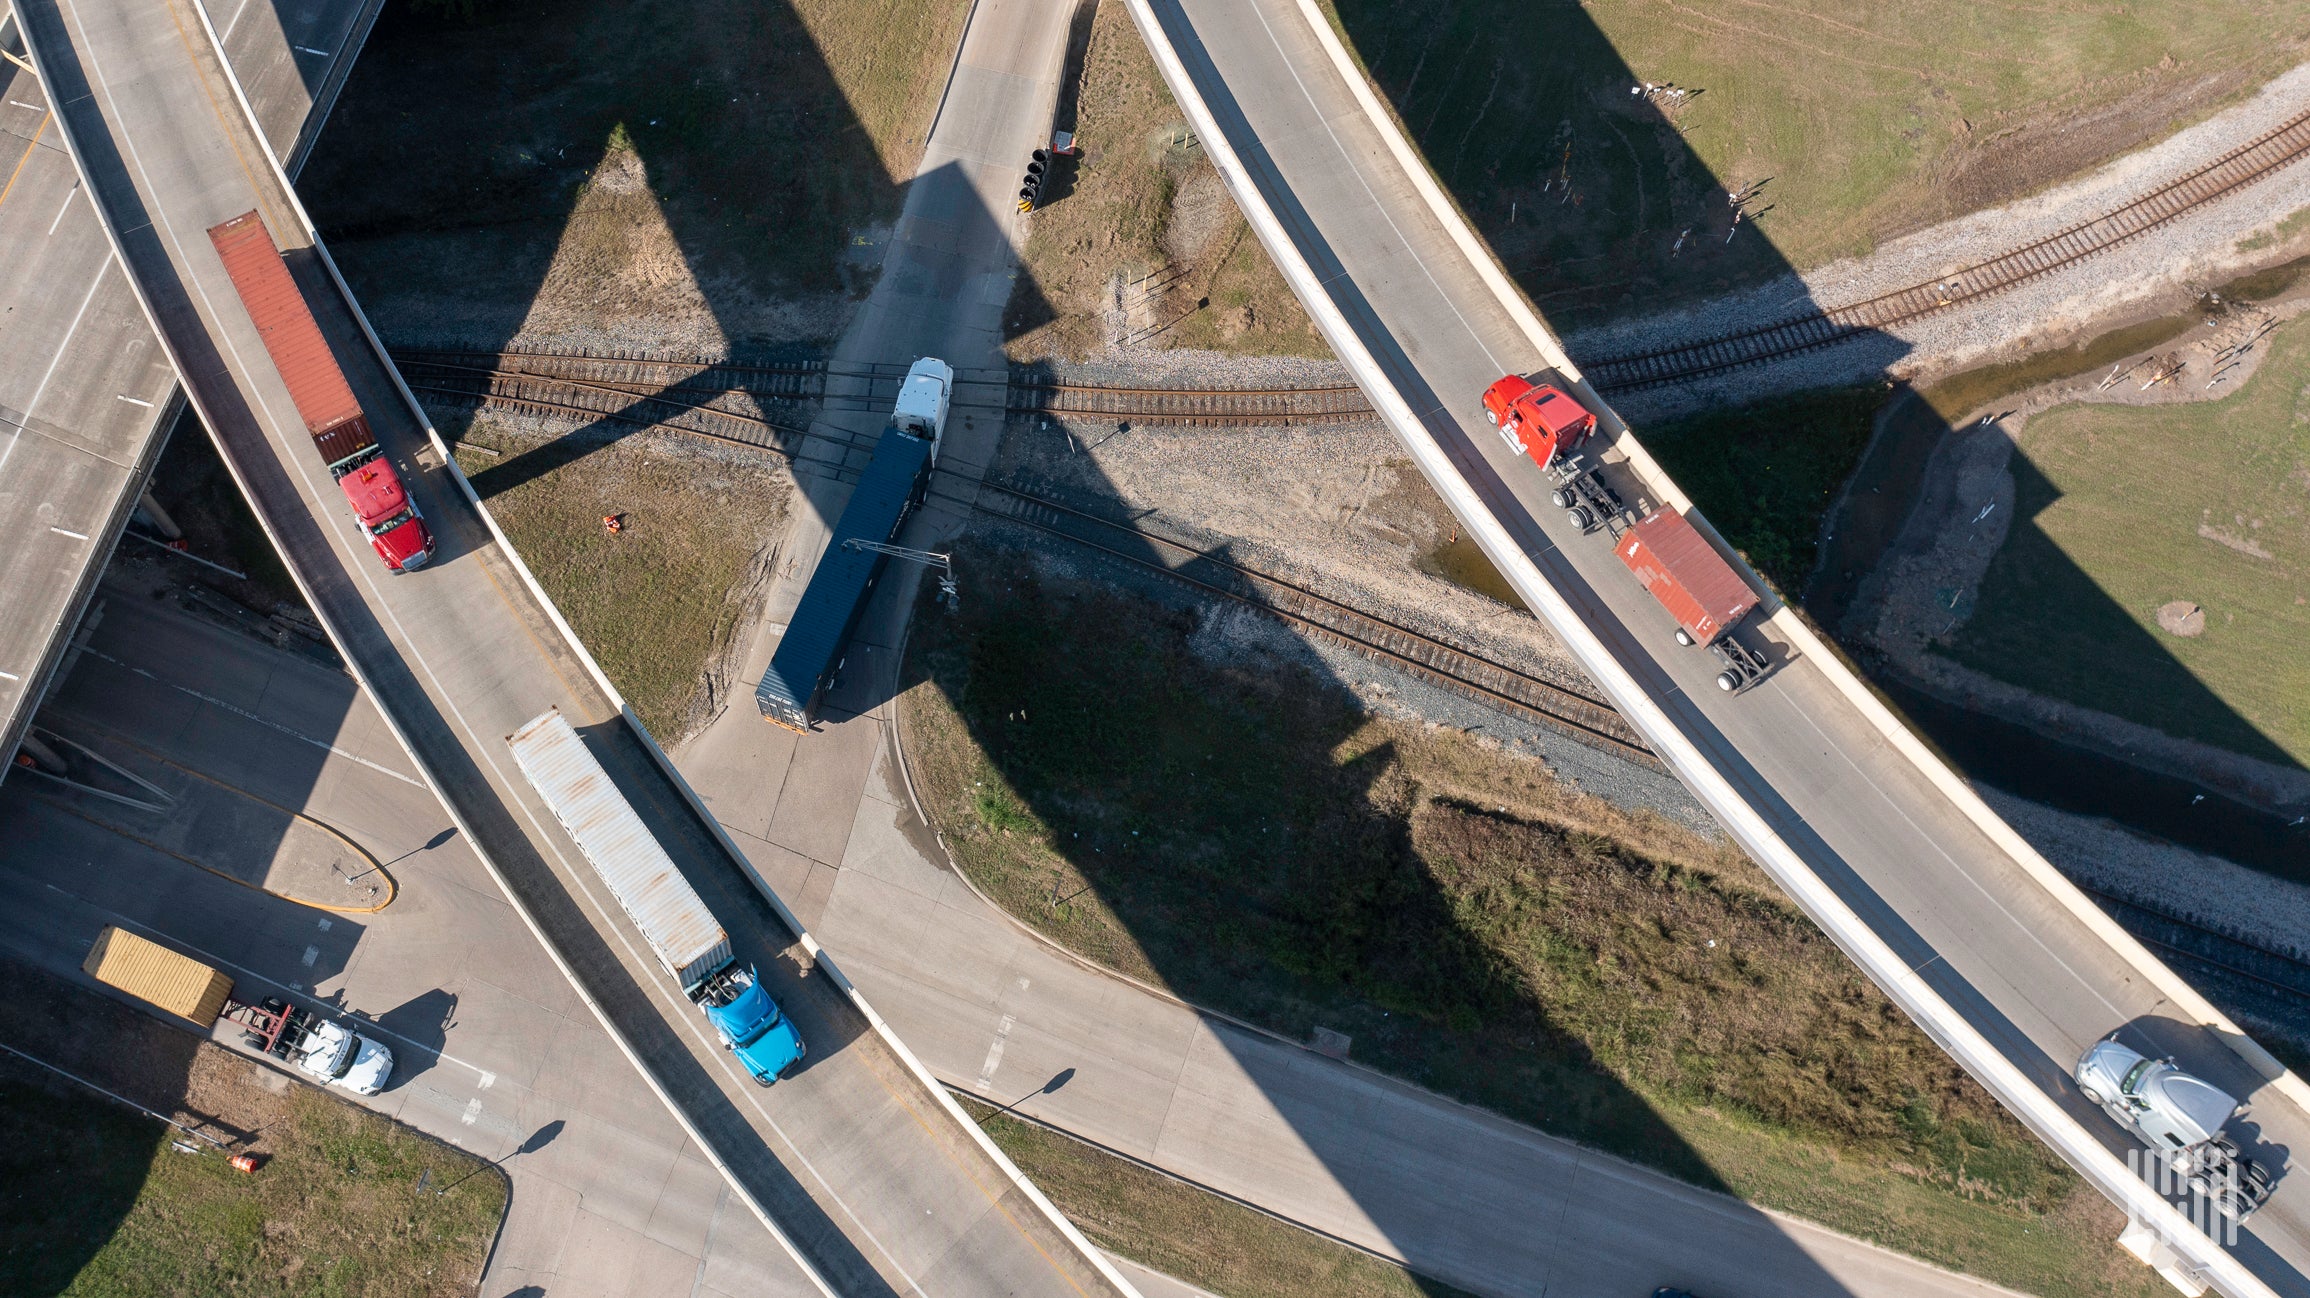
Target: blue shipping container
{"x":823,"y":622}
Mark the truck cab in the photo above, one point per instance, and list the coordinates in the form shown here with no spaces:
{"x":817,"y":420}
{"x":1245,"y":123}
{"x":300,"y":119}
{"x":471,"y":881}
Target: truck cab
{"x":1537,"y":419}
{"x":2180,"y":1115}
{"x":752,"y":1026}
{"x":923,"y":398}
{"x":338,"y":1056}
{"x":387,"y":515}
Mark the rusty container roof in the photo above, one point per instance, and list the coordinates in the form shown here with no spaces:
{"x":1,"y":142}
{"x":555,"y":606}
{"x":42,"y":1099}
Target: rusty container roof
{"x":292,"y":338}
{"x":1686,"y":574}
{"x":621,"y":849}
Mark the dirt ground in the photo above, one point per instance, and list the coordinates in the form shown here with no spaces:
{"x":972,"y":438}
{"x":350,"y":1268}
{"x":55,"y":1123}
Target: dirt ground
{"x":1140,"y":248}
{"x":677,"y":176}
{"x":660,"y":604}
{"x":331,"y":1208}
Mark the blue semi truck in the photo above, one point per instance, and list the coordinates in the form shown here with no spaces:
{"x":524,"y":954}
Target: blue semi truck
{"x":818,"y":635}
{"x":681,"y":932}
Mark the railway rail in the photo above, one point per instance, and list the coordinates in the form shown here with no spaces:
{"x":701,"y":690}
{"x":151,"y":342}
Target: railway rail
{"x":713,"y":382}
{"x":2223,"y":176}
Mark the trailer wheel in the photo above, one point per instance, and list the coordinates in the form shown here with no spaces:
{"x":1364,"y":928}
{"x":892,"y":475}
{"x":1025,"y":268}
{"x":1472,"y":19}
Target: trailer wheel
{"x":1729,"y":682}
{"x":1684,"y":637}
{"x":1580,"y":517}
{"x":1562,"y":498}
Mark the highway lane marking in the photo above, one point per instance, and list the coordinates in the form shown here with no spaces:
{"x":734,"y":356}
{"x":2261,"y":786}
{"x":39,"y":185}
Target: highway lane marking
{"x":38,"y":108}
{"x":238,"y":10}
{"x":134,"y":401}
{"x":66,"y":531}
{"x":307,"y":49}
{"x":472,"y":1112}
{"x":45,"y":119}
{"x":238,"y":711}
{"x":61,"y":348}
{"x":64,"y":207}
{"x":10,"y":676}
{"x":995,"y":1053}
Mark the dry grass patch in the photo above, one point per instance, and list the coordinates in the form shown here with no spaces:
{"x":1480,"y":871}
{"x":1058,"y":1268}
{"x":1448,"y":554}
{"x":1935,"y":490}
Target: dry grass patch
{"x":1147,"y":249}
{"x":1244,"y":835}
{"x":660,"y":605}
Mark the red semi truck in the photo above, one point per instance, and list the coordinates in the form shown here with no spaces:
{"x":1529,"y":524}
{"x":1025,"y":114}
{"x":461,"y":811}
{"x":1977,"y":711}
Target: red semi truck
{"x":332,"y":415}
{"x":1663,"y":549}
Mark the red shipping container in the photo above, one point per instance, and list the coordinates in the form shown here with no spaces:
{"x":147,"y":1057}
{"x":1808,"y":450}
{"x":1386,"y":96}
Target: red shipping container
{"x":324,"y":400}
{"x":1686,"y":574}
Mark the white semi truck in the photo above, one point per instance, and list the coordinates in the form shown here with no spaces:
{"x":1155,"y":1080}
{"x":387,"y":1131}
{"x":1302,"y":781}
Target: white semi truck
{"x":2179,"y":1115}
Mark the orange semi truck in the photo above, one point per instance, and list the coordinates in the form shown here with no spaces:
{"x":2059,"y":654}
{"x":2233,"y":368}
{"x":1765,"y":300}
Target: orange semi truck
{"x":1662,"y":548}
{"x":332,"y":415}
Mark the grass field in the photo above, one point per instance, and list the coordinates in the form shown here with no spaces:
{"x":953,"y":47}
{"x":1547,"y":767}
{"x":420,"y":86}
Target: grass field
{"x":1765,"y":474}
{"x":1189,"y":1233}
{"x":1868,"y":119}
{"x":94,"y":1201}
{"x":1248,"y":838}
{"x":770,"y":135}
{"x":1145,"y":199}
{"x":658,"y":604}
{"x":2121,"y":509}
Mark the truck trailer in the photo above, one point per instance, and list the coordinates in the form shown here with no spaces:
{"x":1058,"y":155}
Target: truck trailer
{"x":818,"y":636}
{"x":327,"y":1051}
{"x":1698,"y":588}
{"x":324,"y":401}
{"x":681,"y":932}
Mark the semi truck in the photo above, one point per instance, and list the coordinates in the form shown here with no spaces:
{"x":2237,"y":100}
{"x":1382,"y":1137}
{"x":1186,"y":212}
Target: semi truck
{"x":1662,"y":548}
{"x":325,"y":402}
{"x":680,"y":931}
{"x":328,"y":1051}
{"x":817,"y":638}
{"x":2181,"y":1116}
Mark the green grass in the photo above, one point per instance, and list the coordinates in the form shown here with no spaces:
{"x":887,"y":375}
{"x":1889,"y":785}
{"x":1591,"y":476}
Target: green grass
{"x":1765,"y":473}
{"x":771,"y":133}
{"x":2120,"y":509}
{"x":1190,"y":1233}
{"x":1869,"y":119}
{"x":1249,"y":839}
{"x":658,"y":604}
{"x":97,"y":1203}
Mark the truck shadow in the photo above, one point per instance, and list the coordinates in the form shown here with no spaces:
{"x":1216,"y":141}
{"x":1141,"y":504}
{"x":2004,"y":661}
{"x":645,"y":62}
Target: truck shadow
{"x":422,"y":1022}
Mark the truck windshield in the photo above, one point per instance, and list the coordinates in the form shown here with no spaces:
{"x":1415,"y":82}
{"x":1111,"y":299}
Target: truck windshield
{"x":390,"y":523}
{"x":2133,"y":1075}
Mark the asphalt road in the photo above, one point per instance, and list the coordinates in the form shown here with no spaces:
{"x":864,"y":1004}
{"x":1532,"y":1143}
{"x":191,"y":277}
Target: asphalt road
{"x":86,"y":394}
{"x":863,"y":1166}
{"x":492,"y":1047}
{"x":1964,"y":916}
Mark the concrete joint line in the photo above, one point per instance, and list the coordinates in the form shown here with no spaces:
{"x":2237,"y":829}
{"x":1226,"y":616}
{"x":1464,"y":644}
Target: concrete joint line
{"x":2036,"y":1108}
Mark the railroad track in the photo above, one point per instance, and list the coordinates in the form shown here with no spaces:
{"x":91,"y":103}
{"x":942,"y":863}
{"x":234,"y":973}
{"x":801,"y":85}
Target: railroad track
{"x":1582,"y":716}
{"x":704,"y":381}
{"x":2223,"y":176}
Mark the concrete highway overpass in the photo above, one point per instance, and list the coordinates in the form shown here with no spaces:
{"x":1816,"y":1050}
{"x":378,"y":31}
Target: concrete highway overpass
{"x":860,"y":1160}
{"x":1994,"y":954}
{"x":86,"y":394}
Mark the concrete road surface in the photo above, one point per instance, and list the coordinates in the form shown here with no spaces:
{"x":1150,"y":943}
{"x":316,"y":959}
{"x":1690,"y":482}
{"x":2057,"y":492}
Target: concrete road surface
{"x":2023,"y":968}
{"x":491,"y":1045}
{"x":86,"y":394}
{"x":881,"y":1186}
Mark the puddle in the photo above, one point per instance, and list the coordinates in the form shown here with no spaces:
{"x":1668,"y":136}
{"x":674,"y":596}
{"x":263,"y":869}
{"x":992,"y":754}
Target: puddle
{"x":1960,"y":394}
{"x":1461,"y":562}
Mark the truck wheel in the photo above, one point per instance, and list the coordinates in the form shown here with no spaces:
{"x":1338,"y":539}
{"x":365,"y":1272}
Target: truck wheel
{"x":1684,"y":637}
{"x":1729,"y":682}
{"x":2092,"y":1096}
{"x":1491,"y":418}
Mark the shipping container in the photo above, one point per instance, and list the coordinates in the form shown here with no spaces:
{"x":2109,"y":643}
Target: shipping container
{"x":686,"y":937}
{"x":151,"y":972}
{"x":324,"y":400}
{"x":812,"y":649}
{"x":1686,"y":574}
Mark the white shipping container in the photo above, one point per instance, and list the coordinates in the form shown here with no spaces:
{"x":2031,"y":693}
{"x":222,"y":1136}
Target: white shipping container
{"x":687,"y":938}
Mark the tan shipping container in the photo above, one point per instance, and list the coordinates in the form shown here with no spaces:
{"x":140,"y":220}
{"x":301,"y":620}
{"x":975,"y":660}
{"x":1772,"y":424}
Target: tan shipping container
{"x":151,"y":972}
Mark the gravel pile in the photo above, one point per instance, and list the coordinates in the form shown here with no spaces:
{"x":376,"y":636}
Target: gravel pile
{"x":2150,"y":273}
{"x":1149,"y":367}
